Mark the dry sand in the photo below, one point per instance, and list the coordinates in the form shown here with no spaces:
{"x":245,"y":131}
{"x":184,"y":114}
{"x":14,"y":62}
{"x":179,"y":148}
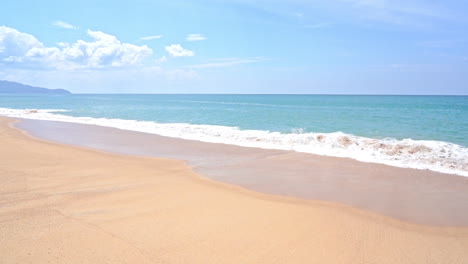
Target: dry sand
{"x":63,"y":204}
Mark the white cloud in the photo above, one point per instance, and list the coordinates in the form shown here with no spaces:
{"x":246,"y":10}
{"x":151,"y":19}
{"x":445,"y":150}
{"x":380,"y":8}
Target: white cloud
{"x":151,"y":37}
{"x":225,"y":62}
{"x":195,"y":37}
{"x":63,"y":24}
{"x":24,"y":50}
{"x":176,"y":50}
{"x":14,"y":44}
{"x":162,"y":59}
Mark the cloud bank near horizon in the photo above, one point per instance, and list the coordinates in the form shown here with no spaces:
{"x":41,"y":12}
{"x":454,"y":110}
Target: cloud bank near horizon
{"x":18,"y":49}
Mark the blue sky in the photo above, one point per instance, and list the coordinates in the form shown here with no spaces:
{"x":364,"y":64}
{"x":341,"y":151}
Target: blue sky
{"x":236,"y":46}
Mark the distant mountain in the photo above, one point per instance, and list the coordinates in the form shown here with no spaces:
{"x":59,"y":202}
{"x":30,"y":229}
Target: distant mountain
{"x":18,"y":88}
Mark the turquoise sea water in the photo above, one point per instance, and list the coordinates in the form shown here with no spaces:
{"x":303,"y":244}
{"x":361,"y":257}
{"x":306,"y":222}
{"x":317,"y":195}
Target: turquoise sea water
{"x":301,"y":120}
{"x":443,"y":118}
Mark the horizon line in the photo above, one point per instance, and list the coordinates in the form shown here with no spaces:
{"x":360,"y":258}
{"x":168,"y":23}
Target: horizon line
{"x":357,"y":94}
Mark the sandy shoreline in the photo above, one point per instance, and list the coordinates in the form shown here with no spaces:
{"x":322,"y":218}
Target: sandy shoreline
{"x":418,"y":196}
{"x":63,"y":204}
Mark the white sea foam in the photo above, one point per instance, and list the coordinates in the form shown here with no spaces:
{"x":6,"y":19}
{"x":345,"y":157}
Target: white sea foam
{"x":419,"y":154}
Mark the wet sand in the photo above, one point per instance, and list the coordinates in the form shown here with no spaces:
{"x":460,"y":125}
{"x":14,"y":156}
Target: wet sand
{"x":418,"y":196}
{"x":64,"y":204}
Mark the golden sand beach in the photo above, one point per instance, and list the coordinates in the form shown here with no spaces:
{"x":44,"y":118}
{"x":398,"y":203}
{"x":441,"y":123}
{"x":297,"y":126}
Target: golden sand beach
{"x":64,"y":204}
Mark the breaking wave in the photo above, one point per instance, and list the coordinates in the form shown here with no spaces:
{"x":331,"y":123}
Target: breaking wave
{"x":407,"y":153}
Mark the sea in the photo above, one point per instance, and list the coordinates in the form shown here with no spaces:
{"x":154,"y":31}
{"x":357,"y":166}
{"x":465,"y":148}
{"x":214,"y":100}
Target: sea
{"x":420,"y":132}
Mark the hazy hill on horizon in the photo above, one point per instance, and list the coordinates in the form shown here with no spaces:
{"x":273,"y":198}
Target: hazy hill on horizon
{"x":8,"y":87}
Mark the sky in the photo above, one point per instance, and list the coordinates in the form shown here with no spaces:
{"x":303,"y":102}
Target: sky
{"x":237,"y":46}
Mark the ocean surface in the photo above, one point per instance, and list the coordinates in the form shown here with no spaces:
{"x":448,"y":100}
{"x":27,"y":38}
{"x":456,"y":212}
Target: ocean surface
{"x":422,"y":132}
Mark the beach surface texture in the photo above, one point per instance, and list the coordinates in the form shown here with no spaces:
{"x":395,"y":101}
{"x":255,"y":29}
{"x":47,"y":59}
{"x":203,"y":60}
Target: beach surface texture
{"x":64,"y":204}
